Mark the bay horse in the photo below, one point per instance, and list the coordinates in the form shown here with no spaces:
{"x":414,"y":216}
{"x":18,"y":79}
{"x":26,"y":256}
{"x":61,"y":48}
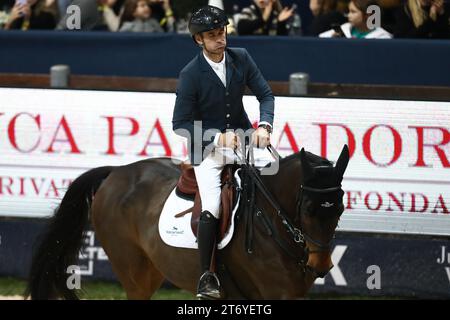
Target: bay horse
{"x":290,"y":226}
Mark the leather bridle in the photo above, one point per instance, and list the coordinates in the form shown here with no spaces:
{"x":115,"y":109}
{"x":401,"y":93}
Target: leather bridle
{"x":297,"y":235}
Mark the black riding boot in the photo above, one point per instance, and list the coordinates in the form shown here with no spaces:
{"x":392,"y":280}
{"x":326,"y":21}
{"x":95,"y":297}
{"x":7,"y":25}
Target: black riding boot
{"x":208,"y":285}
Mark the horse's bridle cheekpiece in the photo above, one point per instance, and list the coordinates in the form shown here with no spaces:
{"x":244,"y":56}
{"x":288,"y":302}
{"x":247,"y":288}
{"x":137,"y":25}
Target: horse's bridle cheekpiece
{"x":297,"y":234}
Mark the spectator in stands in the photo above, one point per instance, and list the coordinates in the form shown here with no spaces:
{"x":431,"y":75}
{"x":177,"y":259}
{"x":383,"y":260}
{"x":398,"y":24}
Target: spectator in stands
{"x":423,"y":19}
{"x":5,"y":9}
{"x":264,"y":17}
{"x":325,"y":15}
{"x":137,"y":17}
{"x":163,"y":13}
{"x":32,"y":14}
{"x":111,"y":19}
{"x":357,"y":25}
{"x":96,"y":15}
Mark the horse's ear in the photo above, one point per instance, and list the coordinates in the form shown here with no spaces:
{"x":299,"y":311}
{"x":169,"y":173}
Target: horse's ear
{"x":342,"y":163}
{"x":306,"y":167}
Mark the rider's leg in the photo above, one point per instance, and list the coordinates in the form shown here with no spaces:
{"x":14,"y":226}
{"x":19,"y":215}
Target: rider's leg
{"x":208,"y":180}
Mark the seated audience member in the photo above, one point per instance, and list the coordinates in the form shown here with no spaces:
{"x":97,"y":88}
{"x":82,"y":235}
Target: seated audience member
{"x":32,"y":14}
{"x":423,"y":19}
{"x":110,"y":18}
{"x":163,"y":13}
{"x":357,"y":25}
{"x":264,"y":17}
{"x":136,"y":17}
{"x":5,"y":9}
{"x":325,"y":16}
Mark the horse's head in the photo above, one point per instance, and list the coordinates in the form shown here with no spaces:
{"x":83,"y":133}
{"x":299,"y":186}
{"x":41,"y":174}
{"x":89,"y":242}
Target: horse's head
{"x":320,"y":205}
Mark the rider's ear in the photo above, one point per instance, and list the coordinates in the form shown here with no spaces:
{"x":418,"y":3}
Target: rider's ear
{"x":307,"y":169}
{"x":342,"y":162}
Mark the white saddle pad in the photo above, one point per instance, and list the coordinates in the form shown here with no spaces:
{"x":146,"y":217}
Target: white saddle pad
{"x":177,"y":232}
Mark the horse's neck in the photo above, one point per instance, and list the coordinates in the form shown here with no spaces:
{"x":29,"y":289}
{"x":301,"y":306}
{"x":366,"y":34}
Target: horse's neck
{"x":285,"y":185}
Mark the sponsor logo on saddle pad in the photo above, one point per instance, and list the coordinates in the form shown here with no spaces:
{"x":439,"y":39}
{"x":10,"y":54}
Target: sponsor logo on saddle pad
{"x":177,"y":232}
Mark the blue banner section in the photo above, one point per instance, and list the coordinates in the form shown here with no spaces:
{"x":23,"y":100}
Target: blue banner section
{"x":18,"y":238}
{"x":364,"y":265}
{"x":389,"y":62}
{"x":375,"y":265}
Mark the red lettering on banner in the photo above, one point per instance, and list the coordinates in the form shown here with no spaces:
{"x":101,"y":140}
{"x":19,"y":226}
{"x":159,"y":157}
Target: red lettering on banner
{"x":52,"y":188}
{"x":6,"y":187}
{"x":397,"y":145}
{"x":111,"y":132}
{"x":324,"y":136}
{"x":33,"y":186}
{"x":352,"y":200}
{"x":287,"y":130}
{"x":437,"y":146}
{"x":63,"y":123}
{"x":22,"y":186}
{"x":413,"y":203}
{"x":12,"y":132}
{"x":440,"y":202}
{"x":379,"y":198}
{"x":400,"y":205}
{"x":164,"y":142}
{"x":37,"y":188}
{"x":374,"y":201}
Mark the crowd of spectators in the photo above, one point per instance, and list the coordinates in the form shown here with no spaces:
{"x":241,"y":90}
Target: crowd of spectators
{"x":330,"y":18}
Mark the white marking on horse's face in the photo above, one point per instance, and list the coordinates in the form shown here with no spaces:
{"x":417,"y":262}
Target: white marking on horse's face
{"x":327,"y":205}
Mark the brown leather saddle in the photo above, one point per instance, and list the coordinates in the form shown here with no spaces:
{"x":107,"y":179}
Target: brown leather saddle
{"x":187,"y":188}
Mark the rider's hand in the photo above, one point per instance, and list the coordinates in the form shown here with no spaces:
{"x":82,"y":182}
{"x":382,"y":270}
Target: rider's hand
{"x":229,"y":140}
{"x":261,"y":138}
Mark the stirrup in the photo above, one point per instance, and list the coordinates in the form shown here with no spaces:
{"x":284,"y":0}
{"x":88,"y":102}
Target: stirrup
{"x":208,"y":286}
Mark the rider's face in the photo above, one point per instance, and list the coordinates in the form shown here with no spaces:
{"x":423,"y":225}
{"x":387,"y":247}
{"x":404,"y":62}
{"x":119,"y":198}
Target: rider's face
{"x":214,"y":41}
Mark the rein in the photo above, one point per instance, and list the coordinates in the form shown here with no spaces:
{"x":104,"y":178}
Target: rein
{"x":296,"y":234}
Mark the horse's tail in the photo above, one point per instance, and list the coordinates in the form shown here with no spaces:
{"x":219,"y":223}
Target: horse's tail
{"x":62,"y":240}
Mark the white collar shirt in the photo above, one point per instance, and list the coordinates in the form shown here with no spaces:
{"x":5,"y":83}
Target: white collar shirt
{"x":219,"y":68}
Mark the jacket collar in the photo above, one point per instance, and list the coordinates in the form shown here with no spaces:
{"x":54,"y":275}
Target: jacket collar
{"x":229,"y":64}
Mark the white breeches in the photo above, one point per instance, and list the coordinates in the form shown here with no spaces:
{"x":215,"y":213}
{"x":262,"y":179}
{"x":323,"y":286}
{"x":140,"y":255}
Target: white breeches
{"x":208,"y":173}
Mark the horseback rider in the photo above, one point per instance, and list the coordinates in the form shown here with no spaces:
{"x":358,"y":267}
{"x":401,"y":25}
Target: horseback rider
{"x":209,"y":99}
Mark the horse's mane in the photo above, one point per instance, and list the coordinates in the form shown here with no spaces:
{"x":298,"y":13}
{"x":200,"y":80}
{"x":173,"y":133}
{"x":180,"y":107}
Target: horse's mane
{"x":314,"y":159}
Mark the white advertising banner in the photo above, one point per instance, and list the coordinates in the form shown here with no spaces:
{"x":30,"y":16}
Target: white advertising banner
{"x":397,"y":181}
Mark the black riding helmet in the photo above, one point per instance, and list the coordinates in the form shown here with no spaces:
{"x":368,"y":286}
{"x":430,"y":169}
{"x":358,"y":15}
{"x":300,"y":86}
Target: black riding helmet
{"x":205,"y":19}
